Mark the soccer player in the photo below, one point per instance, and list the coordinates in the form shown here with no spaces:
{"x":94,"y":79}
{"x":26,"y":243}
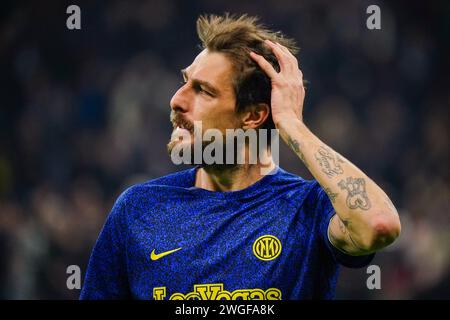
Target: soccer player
{"x":228,"y":231}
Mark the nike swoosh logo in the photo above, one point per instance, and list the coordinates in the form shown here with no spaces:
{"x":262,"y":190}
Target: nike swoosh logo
{"x":155,"y":256}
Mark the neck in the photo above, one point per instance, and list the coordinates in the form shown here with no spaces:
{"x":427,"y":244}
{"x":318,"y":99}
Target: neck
{"x":232,"y":178}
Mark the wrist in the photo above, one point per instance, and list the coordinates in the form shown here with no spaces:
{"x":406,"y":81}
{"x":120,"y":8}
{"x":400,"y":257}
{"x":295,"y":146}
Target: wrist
{"x":288,"y":121}
{"x":293,"y":127}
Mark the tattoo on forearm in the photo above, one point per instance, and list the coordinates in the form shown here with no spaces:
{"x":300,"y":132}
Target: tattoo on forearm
{"x":330,"y":163}
{"x":331,"y":194}
{"x":357,"y":196}
{"x":295,"y":145}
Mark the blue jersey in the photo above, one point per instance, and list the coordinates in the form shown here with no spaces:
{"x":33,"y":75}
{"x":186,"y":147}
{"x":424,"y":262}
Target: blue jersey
{"x":167,"y":239}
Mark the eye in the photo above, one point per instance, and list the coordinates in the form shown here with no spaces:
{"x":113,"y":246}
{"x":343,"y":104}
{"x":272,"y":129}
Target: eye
{"x":199,"y":88}
{"x":206,"y":92}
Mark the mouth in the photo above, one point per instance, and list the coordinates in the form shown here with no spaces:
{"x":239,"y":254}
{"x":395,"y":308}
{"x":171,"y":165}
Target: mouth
{"x":183,"y":125}
{"x":180,"y":127}
{"x":179,"y":123}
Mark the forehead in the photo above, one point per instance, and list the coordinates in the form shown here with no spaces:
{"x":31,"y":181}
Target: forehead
{"x":213,"y":67}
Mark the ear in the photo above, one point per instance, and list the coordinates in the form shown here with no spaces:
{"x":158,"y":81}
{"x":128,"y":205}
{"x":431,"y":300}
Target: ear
{"x":255,"y":115}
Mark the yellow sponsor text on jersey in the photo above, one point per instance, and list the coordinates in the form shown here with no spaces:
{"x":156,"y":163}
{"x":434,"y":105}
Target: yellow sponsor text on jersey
{"x":215,"y":291}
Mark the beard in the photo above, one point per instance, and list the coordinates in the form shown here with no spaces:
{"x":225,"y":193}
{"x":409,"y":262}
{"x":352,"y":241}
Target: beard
{"x":186,"y":139}
{"x":190,"y":146}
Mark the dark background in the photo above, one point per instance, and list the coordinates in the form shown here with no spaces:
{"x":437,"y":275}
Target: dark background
{"x":85,"y":113}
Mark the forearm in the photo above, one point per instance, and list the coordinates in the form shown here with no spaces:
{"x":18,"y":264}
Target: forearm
{"x":367,"y":219}
{"x":370,"y":219}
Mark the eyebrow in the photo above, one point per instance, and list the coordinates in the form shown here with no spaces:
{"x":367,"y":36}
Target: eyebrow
{"x":204,"y":83}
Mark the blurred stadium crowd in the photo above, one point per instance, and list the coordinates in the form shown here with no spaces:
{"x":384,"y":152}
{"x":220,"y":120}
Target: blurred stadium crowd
{"x":84,"y":114}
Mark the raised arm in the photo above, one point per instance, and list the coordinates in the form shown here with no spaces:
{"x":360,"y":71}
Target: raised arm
{"x":366,"y":220}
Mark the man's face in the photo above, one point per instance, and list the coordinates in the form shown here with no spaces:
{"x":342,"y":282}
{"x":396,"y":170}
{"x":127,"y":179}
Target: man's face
{"x":207,"y":95}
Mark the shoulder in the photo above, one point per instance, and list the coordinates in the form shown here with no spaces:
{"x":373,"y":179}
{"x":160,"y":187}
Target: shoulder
{"x":297,"y":189}
{"x":184,"y":178}
{"x":144,"y":192}
{"x":294,"y":182}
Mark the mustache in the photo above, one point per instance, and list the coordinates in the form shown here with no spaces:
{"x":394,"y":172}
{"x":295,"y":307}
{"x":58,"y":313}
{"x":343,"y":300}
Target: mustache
{"x":178,"y":120}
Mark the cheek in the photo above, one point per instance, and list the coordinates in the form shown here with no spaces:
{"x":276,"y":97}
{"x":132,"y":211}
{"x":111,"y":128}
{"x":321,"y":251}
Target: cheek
{"x":217,"y":114}
{"x":222,"y":120}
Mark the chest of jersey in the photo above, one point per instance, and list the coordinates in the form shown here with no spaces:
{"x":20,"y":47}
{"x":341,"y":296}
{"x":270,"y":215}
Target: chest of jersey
{"x":216,"y":249}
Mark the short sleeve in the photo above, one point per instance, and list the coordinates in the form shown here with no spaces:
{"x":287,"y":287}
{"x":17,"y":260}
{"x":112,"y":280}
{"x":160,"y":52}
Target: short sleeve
{"x":106,"y":276}
{"x":325,"y":211}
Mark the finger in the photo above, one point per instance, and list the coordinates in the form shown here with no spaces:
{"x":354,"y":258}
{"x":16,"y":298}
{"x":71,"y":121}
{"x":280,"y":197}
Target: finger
{"x":283,"y":57}
{"x":293,"y":62}
{"x":264,"y":64}
{"x":285,"y":50}
{"x":291,"y":58}
{"x":279,"y":54}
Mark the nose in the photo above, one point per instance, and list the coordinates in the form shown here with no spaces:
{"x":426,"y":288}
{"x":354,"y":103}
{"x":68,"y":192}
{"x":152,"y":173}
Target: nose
{"x":180,"y":100}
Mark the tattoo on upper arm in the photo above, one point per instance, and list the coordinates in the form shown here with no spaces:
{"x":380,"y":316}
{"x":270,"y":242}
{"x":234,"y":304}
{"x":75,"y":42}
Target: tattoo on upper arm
{"x":357,"y":196}
{"x":333,"y":239}
{"x":343,"y":226}
{"x":295,"y":145}
{"x":331,"y":194}
{"x":329,"y":162}
{"x":354,"y":243}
